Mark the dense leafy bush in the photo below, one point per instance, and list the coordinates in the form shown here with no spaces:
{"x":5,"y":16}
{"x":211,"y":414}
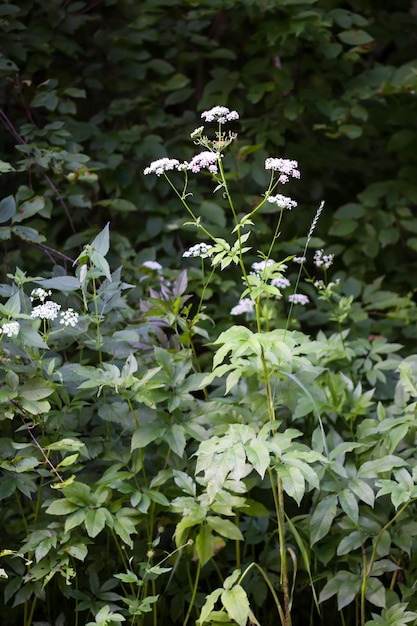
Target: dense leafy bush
{"x":160,"y":464}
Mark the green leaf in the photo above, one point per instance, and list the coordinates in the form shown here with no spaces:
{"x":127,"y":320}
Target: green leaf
{"x":36,"y":388}
{"x":225,"y":528}
{"x":7,"y":208}
{"x":101,"y":243}
{"x":61,"y":507}
{"x":322,"y":518}
{"x":28,"y":234}
{"x":95,"y":520}
{"x":204,"y":544}
{"x":61,"y":283}
{"x":145,"y":434}
{"x":258,"y":455}
{"x":236,"y":603}
{"x":293,"y":482}
{"x":355,"y":37}
{"x":208,"y":606}
{"x":349,"y":504}
{"x":175,"y":438}
{"x":29,"y":208}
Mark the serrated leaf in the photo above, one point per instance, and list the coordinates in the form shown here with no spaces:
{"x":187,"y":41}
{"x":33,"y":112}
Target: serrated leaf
{"x":95,"y":520}
{"x":101,"y":243}
{"x":258,"y":455}
{"x":146,"y":434}
{"x":204,"y":544}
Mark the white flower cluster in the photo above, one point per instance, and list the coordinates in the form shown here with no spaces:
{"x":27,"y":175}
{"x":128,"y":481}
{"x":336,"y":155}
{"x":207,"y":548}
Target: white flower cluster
{"x":323,"y":260}
{"x":47,"y":311}
{"x":259,"y":266}
{"x":220,"y":114}
{"x":298,"y":298}
{"x":286,"y":167}
{"x":280,"y":282}
{"x":246,"y":305}
{"x":152,"y":265}
{"x":160,"y":166}
{"x":39,"y":294}
{"x":10,"y":329}
{"x":69,"y":317}
{"x":202,"y":250}
{"x":282,"y":201}
{"x":197,"y":132}
{"x":299,"y":259}
{"x":203,"y":160}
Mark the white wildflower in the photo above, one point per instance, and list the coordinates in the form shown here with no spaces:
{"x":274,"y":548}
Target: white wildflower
{"x":47,"y":311}
{"x":319,"y":284}
{"x":282,"y":201}
{"x":69,"y":317}
{"x":284,"y":166}
{"x":323,"y":260}
{"x":202,"y":250}
{"x":259,"y":266}
{"x":298,"y":298}
{"x":203,"y":160}
{"x":220,"y":114}
{"x":39,"y":294}
{"x":160,"y":166}
{"x":152,"y":265}
{"x":280,"y":282}
{"x":299,"y":259}
{"x":246,"y":305}
{"x":10,"y":329}
{"x":197,"y":132}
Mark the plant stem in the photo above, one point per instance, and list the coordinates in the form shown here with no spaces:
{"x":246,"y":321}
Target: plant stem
{"x":194,"y":593}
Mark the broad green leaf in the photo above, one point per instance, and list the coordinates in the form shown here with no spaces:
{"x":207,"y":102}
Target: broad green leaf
{"x":28,"y":234}
{"x":101,"y":243}
{"x":60,"y":283}
{"x":370,"y":469}
{"x":28,"y":208}
{"x":95,"y":520}
{"x":225,"y":528}
{"x":258,"y":455}
{"x":362,"y":490}
{"x":322,"y":518}
{"x":61,"y":507}
{"x":349,"y":504}
{"x":236,"y":603}
{"x":7,"y":207}
{"x":175,"y":438}
{"x":35,"y":389}
{"x":355,"y":37}
{"x":293,"y":482}
{"x":204,"y":544}
{"x":145,"y":434}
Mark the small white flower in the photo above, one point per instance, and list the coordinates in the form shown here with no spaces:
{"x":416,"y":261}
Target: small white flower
{"x":69,"y":317}
{"x":299,"y":259}
{"x":47,"y":311}
{"x":160,"y":166}
{"x":197,"y":132}
{"x":39,"y":294}
{"x":220,"y":114}
{"x":298,"y":298}
{"x":323,"y":260}
{"x":259,"y":266}
{"x":152,"y":265}
{"x":284,"y":166}
{"x":202,"y":250}
{"x":10,"y":329}
{"x":246,"y":305}
{"x":203,"y":160}
{"x":319,"y":284}
{"x":282,"y":201}
{"x":280,"y":282}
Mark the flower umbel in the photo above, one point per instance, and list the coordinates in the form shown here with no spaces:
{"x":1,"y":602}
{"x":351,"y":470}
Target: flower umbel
{"x":283,"y":202}
{"x":152,"y":265}
{"x":286,"y":167}
{"x":160,"y":166}
{"x":202,"y":250}
{"x":323,"y":260}
{"x":69,"y":317}
{"x":220,"y":114}
{"x":10,"y":329}
{"x":40,"y":294}
{"x":298,"y":298}
{"x":246,"y":305}
{"x":47,"y":311}
{"x":280,"y":282}
{"x":203,"y":160}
